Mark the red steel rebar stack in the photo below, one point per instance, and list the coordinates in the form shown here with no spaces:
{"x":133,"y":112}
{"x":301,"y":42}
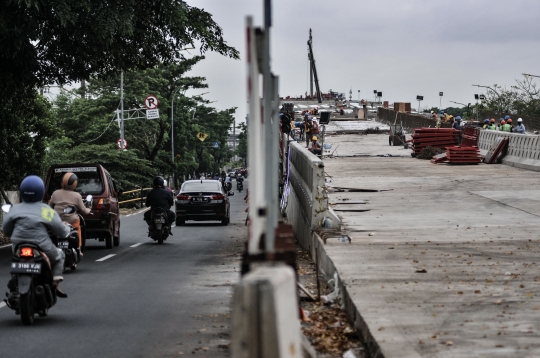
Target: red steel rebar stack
{"x":470,"y":137}
{"x":463,"y":155}
{"x":434,"y":137}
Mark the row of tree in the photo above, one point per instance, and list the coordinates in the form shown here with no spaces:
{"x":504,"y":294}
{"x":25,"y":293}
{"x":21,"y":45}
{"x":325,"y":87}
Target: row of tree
{"x":521,"y":100}
{"x":88,"y":131}
{"x":60,"y":42}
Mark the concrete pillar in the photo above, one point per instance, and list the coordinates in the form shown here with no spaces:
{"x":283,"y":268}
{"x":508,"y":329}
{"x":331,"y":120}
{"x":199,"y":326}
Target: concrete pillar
{"x":265,"y":315}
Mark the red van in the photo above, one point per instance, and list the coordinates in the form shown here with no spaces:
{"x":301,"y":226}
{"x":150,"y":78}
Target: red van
{"x":104,"y":224}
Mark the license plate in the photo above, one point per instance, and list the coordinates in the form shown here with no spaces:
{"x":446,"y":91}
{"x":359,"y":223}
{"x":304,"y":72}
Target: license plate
{"x":160,"y":220}
{"x":200,"y":199}
{"x":63,"y":244}
{"x":23,"y":267}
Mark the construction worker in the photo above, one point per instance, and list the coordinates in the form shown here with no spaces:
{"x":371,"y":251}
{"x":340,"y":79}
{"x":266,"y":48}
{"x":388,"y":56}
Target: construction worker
{"x":520,"y":128}
{"x":457,"y":125}
{"x":486,"y":123}
{"x":314,"y":147}
{"x":308,"y":124}
{"x":501,"y":126}
{"x":508,"y":126}
{"x":492,"y":125}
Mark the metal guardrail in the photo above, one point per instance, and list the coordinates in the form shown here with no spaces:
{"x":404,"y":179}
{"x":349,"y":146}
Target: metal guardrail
{"x":141,"y":196}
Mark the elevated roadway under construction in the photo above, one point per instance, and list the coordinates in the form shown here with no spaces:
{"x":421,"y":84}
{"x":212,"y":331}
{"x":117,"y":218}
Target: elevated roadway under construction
{"x":445,"y":263}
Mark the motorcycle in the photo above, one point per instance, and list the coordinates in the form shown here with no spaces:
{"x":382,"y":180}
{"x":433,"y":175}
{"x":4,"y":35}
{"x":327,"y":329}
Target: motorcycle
{"x":239,"y":185}
{"x":228,"y":186}
{"x":160,"y":227}
{"x":31,"y":286}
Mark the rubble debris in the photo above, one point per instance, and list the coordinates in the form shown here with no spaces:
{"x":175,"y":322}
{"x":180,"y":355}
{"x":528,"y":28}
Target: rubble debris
{"x":429,"y":152}
{"x":305,"y":291}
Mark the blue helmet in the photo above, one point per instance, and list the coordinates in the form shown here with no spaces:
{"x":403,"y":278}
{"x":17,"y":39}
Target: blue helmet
{"x":441,"y":112}
{"x":32,"y":189}
{"x":506,"y":117}
{"x":501,"y":119}
{"x":458,"y":118}
{"x":486,"y":120}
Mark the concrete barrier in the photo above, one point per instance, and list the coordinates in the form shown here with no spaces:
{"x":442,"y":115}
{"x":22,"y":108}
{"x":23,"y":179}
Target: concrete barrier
{"x":307,"y":200}
{"x":523,"y":149}
{"x":266,"y":320}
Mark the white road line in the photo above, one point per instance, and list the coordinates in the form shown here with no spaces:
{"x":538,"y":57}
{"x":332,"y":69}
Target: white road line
{"x":8,"y":245}
{"x":140,"y":243}
{"x":106,"y":257}
{"x":3,"y":304}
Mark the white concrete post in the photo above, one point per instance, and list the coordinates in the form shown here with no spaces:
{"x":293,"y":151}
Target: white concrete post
{"x":256,"y":144}
{"x":265,"y":315}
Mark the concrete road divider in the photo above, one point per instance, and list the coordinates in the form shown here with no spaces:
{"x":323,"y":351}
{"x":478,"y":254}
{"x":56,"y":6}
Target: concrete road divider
{"x":523,"y":149}
{"x":265,"y":315}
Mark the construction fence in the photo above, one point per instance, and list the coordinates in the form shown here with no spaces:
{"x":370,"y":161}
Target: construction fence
{"x":407,"y":120}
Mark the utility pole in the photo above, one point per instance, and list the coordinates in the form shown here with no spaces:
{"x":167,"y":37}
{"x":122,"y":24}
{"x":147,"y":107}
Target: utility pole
{"x":234,"y":137}
{"x":122,"y":142}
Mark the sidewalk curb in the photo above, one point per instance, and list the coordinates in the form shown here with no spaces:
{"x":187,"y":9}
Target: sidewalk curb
{"x":328,"y":269}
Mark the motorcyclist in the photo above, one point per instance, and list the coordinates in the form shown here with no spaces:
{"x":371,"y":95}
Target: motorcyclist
{"x":29,"y":222}
{"x":239,"y":181}
{"x":67,"y":196}
{"x":228,"y":184}
{"x":159,"y":197}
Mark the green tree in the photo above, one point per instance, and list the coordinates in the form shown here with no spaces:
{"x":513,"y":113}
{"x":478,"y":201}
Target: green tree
{"x":25,"y":128}
{"x":241,"y":149}
{"x":45,"y":42}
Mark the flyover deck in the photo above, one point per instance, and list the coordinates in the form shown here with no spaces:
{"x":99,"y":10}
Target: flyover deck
{"x":446,"y":264}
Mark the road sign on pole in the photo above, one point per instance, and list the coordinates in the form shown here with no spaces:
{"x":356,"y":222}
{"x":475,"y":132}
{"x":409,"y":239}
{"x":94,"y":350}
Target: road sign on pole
{"x":216,"y":145}
{"x":121,"y":143}
{"x":201,"y":136}
{"x":151,"y":102}
{"x":152,"y":113}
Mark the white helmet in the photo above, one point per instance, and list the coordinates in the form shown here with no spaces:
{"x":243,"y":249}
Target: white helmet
{"x":520,"y":120}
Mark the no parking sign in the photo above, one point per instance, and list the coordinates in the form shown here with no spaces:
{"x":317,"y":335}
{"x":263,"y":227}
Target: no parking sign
{"x":151,"y":102}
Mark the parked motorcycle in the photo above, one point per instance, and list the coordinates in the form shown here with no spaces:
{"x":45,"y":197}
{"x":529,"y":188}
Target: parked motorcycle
{"x":160,"y":227}
{"x":31,"y":286}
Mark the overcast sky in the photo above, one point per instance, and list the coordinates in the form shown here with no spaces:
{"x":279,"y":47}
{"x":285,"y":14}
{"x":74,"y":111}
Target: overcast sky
{"x":402,"y":48}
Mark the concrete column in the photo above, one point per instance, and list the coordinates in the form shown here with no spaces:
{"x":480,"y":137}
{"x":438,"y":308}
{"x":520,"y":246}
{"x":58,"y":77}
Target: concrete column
{"x":265,"y":315}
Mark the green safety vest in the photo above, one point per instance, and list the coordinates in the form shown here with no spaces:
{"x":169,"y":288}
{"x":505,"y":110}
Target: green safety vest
{"x":507,"y":128}
{"x":493,"y":127}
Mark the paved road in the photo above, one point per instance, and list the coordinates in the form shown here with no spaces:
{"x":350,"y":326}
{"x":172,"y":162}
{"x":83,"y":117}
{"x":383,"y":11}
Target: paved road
{"x":147,"y":300}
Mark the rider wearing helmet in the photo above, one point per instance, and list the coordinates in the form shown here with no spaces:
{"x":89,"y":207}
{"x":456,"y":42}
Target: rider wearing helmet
{"x":29,"y":222}
{"x":67,"y":196}
{"x":159,"y":197}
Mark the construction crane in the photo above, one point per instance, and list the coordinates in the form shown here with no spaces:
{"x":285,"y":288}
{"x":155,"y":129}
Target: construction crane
{"x":313,"y":70}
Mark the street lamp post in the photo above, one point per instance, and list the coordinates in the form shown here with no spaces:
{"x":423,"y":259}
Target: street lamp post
{"x":529,"y":75}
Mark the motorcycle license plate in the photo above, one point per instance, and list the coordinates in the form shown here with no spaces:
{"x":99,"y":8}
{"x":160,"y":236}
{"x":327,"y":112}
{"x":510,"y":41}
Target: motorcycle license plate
{"x":200,"y":199}
{"x":63,"y":244}
{"x":159,"y":221}
{"x":24,"y":267}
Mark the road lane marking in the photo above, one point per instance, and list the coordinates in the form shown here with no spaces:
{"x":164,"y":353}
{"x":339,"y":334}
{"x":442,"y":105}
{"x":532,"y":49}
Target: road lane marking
{"x":106,"y":257}
{"x":8,"y":245}
{"x":3,"y":304}
{"x":140,"y":243}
